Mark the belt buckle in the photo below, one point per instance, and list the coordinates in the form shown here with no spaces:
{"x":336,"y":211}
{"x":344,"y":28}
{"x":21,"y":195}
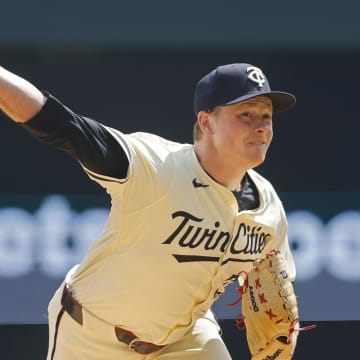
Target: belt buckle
{"x":142,"y":347}
{"x":132,"y":345}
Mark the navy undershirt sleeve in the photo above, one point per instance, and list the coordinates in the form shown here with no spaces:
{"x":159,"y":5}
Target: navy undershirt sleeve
{"x":90,"y":142}
{"x":84,"y":139}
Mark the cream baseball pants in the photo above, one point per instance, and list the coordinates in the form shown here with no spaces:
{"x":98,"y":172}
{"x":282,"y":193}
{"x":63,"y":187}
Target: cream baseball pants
{"x":96,"y":340}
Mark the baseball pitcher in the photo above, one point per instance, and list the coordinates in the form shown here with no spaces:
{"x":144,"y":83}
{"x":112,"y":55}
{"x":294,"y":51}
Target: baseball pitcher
{"x":185,"y":221}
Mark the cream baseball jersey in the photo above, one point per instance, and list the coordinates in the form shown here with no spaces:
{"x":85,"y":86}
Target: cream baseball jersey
{"x":173,"y":241}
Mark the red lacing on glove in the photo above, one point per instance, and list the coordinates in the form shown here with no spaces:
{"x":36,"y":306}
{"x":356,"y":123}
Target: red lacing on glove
{"x":269,"y":255}
{"x":292,"y":328}
{"x":241,"y":290}
{"x":240,"y":319}
{"x":240,"y":322}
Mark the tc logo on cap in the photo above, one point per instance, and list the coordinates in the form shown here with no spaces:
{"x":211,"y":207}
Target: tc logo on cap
{"x":256,"y":75}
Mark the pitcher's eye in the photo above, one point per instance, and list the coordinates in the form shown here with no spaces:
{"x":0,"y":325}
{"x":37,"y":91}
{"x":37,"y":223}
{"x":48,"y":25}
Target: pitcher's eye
{"x":245,"y":114}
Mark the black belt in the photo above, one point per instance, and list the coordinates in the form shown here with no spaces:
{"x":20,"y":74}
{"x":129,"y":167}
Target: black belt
{"x":74,"y":309}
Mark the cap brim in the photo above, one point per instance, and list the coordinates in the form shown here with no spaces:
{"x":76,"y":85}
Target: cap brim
{"x":282,"y":101}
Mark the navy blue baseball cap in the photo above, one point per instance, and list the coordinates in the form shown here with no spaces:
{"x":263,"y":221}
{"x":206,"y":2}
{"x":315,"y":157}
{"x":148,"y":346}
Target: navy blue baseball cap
{"x":233,"y":83}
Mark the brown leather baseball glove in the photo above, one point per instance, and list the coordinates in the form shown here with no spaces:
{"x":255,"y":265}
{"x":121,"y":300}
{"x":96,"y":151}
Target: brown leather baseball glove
{"x":269,"y":309}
